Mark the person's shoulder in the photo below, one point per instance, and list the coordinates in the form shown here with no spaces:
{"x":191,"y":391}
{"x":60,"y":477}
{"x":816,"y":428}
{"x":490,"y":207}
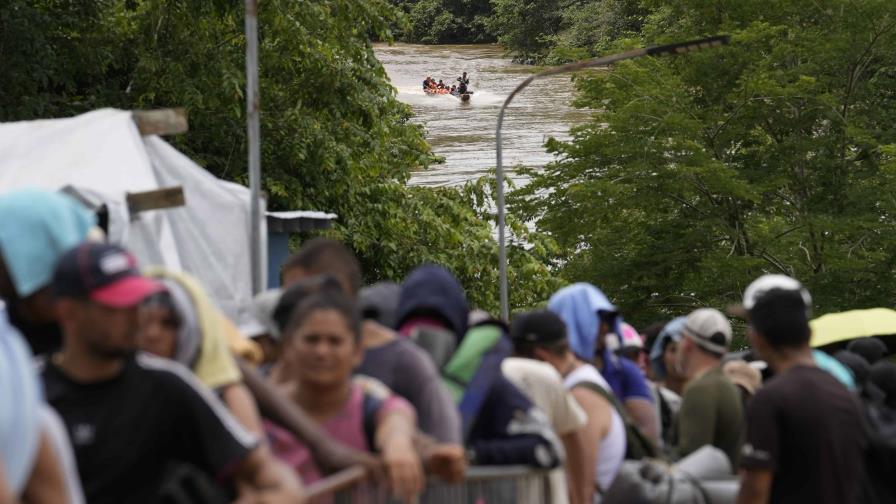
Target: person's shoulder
{"x":406,"y":348}
{"x":631,"y":371}
{"x":164,"y":373}
{"x":369,"y":386}
{"x":708,"y":383}
{"x":790,"y":385}
{"x":587,"y":372}
{"x":414,"y":359}
{"x":541,"y":370}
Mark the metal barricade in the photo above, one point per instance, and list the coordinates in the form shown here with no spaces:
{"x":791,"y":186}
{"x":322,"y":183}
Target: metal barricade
{"x":481,"y":485}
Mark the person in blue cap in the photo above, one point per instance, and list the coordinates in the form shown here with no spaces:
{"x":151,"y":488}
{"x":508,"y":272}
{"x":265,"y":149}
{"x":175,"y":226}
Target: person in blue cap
{"x":590,"y":316}
{"x":36,"y":227}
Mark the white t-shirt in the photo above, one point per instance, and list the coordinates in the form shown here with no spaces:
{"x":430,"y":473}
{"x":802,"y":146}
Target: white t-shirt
{"x":611,"y":450}
{"x":543,"y":385}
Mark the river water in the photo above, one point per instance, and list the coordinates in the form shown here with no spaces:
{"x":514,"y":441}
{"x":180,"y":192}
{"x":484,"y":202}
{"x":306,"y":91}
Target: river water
{"x":464,"y":133}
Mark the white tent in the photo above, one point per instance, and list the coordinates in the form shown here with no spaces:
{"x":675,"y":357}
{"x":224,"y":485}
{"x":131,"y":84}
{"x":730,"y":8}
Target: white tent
{"x":101,"y":156}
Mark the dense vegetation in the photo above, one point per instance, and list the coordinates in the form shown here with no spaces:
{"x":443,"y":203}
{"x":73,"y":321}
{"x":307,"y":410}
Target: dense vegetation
{"x":537,"y":31}
{"x":334,"y":136}
{"x":695,"y":174}
{"x":698,"y":173}
{"x":446,"y":22}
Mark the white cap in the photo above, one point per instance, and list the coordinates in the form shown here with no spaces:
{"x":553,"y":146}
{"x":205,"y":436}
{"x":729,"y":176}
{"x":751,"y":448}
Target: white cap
{"x":762,"y":285}
{"x":709,"y":329}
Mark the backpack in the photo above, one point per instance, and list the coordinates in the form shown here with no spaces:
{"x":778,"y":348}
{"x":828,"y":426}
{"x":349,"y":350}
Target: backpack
{"x":637,"y":445}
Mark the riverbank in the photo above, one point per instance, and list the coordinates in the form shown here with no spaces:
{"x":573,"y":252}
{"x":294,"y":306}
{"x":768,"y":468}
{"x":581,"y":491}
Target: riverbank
{"x":464,"y":133}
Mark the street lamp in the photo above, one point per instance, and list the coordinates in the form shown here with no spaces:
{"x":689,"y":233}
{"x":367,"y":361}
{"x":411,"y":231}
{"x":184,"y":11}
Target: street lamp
{"x":669,"y":49}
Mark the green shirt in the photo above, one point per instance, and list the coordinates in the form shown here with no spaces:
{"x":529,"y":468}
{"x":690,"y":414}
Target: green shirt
{"x":711,"y":413}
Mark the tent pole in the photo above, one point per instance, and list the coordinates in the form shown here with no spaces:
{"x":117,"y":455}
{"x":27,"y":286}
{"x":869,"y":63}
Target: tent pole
{"x":253,"y":135}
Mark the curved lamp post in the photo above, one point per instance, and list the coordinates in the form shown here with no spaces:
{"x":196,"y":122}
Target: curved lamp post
{"x":671,"y":49}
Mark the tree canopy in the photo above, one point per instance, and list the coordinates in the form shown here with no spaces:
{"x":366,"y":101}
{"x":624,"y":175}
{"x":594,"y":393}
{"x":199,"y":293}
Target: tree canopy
{"x":698,"y":173}
{"x":333,"y":135}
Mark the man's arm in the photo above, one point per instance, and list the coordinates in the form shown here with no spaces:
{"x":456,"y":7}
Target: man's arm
{"x":575,"y":466}
{"x":643,"y":413}
{"x":395,"y":441}
{"x":240,"y":402}
{"x":599,"y":418}
{"x":213,"y":439}
{"x":6,"y":496}
{"x":436,"y":412}
{"x":262,"y":478}
{"x":47,"y":481}
{"x":755,"y":486}
{"x":330,"y":454}
{"x":445,"y":460}
{"x":638,"y":401}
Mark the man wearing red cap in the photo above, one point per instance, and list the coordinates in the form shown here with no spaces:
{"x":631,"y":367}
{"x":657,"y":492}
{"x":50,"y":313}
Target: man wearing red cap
{"x":131,"y":416}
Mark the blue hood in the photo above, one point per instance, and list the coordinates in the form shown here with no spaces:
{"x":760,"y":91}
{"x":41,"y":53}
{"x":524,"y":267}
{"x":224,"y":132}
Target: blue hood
{"x":672,"y":331}
{"x":36,"y":228}
{"x":578,"y":305}
{"x":432,"y":290}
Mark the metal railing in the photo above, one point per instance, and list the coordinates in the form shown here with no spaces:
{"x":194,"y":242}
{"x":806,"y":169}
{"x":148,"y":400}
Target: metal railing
{"x":481,"y":485}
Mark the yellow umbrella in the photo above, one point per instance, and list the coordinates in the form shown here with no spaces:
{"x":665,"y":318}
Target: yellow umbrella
{"x":844,"y":326}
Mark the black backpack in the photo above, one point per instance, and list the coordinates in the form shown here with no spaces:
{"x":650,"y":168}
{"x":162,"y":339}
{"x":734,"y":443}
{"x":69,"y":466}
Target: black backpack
{"x":637,"y":445}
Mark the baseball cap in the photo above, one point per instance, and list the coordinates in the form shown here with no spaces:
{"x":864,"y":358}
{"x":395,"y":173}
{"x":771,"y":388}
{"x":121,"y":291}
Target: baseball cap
{"x":630,"y":338}
{"x":709,"y":329}
{"x":380,"y":302}
{"x":104,"y":273}
{"x":765,"y":284}
{"x":538,"y":327}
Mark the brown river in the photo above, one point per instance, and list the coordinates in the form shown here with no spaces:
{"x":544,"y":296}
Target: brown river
{"x":464,"y":133}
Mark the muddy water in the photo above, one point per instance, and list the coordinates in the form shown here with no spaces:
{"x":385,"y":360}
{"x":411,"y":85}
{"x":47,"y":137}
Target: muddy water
{"x":464,"y":133}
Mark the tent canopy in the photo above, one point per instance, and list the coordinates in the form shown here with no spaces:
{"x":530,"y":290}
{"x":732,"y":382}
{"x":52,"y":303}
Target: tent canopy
{"x":100,"y":157}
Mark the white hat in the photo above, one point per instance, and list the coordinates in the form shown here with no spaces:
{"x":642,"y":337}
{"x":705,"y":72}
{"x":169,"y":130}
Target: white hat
{"x":709,"y":329}
{"x":763,"y":285}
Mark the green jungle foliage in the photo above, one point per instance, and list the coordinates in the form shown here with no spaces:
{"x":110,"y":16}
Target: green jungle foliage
{"x":334,"y":137}
{"x":446,"y":21}
{"x":698,"y":173}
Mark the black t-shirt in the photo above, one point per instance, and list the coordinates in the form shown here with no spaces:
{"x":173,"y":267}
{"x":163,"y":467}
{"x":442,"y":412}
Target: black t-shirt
{"x":125,"y":431}
{"x":805,"y":427}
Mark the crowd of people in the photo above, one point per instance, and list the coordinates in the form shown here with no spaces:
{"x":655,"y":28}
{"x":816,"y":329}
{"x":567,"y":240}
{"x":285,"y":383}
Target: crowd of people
{"x":123,"y":384}
{"x":430,"y":85}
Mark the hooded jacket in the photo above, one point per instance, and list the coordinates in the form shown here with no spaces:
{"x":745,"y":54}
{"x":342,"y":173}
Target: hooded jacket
{"x":209,"y":342}
{"x":583,"y":307}
{"x":501,"y":425}
{"x":431,"y":290}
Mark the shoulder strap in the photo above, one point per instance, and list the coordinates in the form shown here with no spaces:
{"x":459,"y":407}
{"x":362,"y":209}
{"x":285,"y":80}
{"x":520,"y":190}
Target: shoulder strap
{"x":370,"y":405}
{"x":606,"y":394}
{"x":638,"y":445}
